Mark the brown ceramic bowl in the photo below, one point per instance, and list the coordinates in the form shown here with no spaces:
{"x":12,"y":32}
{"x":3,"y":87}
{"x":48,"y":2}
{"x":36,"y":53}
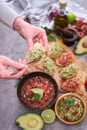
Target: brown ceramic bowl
{"x":70,"y":108}
{"x":33,"y":85}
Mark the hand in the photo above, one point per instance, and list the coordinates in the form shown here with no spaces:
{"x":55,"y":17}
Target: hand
{"x":6,"y":72}
{"x":31,"y":33}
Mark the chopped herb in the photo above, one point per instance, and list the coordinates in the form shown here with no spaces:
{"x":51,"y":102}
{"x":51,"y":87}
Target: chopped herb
{"x":51,"y":38}
{"x":70,"y":102}
{"x":48,"y":31}
{"x":35,"y":96}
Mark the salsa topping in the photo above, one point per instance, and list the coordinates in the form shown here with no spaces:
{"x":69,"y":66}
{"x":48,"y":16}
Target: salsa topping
{"x":68,"y":71}
{"x":38,"y":92}
{"x":64,"y":59}
{"x":70,"y":108}
{"x":70,"y":85}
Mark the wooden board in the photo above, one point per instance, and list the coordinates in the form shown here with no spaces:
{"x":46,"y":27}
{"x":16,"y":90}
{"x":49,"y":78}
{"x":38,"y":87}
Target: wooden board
{"x":81,"y":74}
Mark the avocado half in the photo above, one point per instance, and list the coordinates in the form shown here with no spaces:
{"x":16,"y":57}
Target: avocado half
{"x":79,"y":48}
{"x":29,"y":121}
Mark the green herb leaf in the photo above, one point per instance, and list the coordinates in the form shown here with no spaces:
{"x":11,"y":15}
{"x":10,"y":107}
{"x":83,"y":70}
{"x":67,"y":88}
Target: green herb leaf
{"x":70,"y":102}
{"x":48,"y":31}
{"x":35,"y":96}
{"x":51,"y":38}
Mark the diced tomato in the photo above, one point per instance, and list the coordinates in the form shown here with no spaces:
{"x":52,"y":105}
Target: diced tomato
{"x":43,"y":102}
{"x":70,"y":84}
{"x":45,"y":87}
{"x":68,"y":107}
{"x":48,"y":91}
{"x":65,"y":118}
{"x":64,"y":59}
{"x":77,"y":105}
{"x":79,"y":22}
{"x":46,"y":97}
{"x":28,"y":87}
{"x":75,"y":113}
{"x":80,"y":34}
{"x":86,"y":83}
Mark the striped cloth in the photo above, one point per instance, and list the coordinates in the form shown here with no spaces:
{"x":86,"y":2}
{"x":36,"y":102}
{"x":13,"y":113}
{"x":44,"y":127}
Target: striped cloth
{"x":37,"y":11}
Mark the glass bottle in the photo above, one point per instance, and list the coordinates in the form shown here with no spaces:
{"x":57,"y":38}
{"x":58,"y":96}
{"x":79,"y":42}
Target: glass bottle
{"x":61,"y":19}
{"x":62,"y":5}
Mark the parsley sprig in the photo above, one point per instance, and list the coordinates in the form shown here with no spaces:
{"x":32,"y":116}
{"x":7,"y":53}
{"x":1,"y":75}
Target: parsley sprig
{"x":51,"y":38}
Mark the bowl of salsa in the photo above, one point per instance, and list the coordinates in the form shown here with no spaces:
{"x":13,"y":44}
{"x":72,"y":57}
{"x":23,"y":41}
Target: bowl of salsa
{"x":70,"y":108}
{"x":37,"y":90}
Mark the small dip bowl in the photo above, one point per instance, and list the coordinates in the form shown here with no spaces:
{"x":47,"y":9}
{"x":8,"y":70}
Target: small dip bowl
{"x":70,"y":108}
{"x":70,"y":41}
{"x":37,"y":90}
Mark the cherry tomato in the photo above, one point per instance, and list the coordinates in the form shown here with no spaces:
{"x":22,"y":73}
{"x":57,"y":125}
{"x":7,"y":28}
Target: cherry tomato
{"x":79,"y":22}
{"x":74,"y":27}
{"x":81,"y":27}
{"x":86,"y":83}
{"x":66,"y":118}
{"x":84,"y":29}
{"x":80,"y":35}
{"x":75,"y":113}
{"x":77,"y":105}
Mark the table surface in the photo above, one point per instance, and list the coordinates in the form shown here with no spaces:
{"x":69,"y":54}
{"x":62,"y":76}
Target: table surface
{"x":13,"y":46}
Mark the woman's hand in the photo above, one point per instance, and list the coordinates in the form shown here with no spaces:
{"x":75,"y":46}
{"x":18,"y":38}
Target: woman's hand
{"x":6,"y":71}
{"x":31,"y":33}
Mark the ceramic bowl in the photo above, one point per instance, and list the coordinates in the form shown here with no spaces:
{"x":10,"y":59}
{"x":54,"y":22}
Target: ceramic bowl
{"x":72,"y":40}
{"x":70,"y":108}
{"x":37,"y":90}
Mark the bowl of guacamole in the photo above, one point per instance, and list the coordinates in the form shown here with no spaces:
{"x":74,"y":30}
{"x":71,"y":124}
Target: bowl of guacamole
{"x":70,"y":108}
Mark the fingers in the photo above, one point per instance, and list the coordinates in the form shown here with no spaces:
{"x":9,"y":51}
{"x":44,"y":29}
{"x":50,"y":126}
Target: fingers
{"x":19,"y":74}
{"x":44,"y":40}
{"x":30,"y":44}
{"x":17,"y":65}
{"x":22,"y":61}
{"x":9,"y":62}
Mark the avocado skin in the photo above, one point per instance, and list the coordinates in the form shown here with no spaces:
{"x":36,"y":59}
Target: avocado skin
{"x":79,"y":49}
{"x":23,"y":117}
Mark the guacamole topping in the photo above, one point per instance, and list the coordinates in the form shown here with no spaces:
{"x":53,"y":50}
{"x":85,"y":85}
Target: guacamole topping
{"x":70,"y":108}
{"x":36,"y":54}
{"x":49,"y":65}
{"x":56,"y":51}
{"x":68,"y":71}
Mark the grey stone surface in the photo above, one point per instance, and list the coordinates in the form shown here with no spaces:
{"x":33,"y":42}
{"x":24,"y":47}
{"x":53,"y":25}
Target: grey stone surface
{"x":13,"y":46}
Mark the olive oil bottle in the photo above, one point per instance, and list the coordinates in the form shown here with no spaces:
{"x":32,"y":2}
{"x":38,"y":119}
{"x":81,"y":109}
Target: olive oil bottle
{"x":61,"y":19}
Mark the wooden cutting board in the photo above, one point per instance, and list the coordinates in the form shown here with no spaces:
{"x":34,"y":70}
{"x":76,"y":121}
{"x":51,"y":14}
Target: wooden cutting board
{"x":82,"y":69}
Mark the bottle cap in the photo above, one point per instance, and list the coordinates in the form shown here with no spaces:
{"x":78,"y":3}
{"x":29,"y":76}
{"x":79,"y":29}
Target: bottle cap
{"x":62,"y":3}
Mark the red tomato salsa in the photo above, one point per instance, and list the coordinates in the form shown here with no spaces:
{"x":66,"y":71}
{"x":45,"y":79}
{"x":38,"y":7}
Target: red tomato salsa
{"x":38,"y":92}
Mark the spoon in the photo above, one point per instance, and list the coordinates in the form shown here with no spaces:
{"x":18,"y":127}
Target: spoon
{"x":65,"y":33}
